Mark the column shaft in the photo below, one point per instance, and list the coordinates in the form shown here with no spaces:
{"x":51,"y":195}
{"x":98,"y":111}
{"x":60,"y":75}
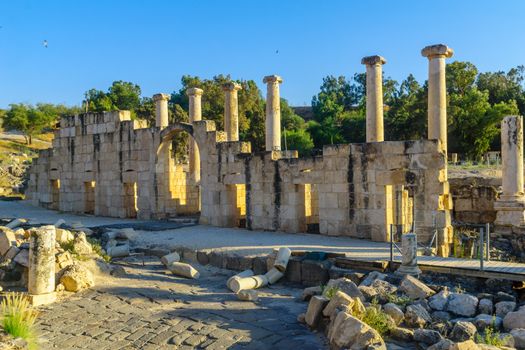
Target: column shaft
{"x":374,"y":98}
{"x":161,"y":110}
{"x":273,"y":113}
{"x":231,"y":111}
{"x":195,"y":114}
{"x":512,"y":155}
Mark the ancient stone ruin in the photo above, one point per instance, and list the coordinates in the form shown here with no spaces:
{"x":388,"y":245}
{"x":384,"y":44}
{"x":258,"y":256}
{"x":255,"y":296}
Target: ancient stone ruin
{"x":107,"y":164}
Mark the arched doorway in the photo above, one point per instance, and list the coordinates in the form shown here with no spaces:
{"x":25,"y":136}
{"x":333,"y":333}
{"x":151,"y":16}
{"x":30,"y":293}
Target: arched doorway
{"x":177,"y":173}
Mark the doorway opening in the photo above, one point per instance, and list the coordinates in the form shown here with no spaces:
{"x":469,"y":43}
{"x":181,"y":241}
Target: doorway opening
{"x":89,"y":197}
{"x":130,"y":199}
{"x":55,"y":195}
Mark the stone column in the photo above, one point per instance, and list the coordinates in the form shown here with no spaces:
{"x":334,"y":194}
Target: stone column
{"x":374,"y":98}
{"x":437,"y":92}
{"x":511,"y":204}
{"x":273,"y":113}
{"x":231,"y":111}
{"x":195,"y":114}
{"x":408,"y":255}
{"x":161,"y":110}
{"x":41,"y":276}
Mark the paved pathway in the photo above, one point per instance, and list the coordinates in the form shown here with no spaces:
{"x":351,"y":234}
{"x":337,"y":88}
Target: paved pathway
{"x":151,"y":310}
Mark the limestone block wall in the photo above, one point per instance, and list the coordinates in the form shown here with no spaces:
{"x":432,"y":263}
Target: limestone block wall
{"x":474,"y":199}
{"x":109,"y":165}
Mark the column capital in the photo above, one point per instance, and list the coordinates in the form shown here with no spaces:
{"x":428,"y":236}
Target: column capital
{"x":373,"y":60}
{"x":438,"y":50}
{"x":161,"y":97}
{"x":272,"y":79}
{"x":194,"y":91}
{"x":231,"y":86}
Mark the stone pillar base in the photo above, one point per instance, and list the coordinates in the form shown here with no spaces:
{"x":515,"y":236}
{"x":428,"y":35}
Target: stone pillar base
{"x":42,"y":299}
{"x":408,"y":270}
{"x":510,"y":213}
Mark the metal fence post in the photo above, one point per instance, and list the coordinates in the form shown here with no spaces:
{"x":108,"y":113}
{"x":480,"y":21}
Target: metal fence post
{"x":487,"y":228}
{"x":391,"y":245}
{"x":481,"y":249}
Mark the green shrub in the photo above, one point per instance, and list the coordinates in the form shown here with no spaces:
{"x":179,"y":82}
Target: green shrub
{"x":329,"y":292}
{"x":401,"y":300}
{"x":377,"y":319}
{"x":18,"y":318}
{"x":491,"y":337}
{"x":97,"y":248}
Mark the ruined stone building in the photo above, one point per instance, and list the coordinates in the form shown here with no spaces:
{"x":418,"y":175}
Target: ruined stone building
{"x":107,"y":164}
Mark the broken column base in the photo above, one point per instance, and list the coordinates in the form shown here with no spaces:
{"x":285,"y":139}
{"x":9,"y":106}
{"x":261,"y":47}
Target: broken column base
{"x":42,"y":299}
{"x":408,"y":270}
{"x":510,"y":213}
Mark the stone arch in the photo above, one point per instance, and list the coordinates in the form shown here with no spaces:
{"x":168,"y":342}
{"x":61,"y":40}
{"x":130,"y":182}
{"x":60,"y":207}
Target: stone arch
{"x":177,"y":185}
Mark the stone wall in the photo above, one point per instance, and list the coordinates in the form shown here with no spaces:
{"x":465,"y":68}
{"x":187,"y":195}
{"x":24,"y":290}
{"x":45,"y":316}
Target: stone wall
{"x":474,"y":199}
{"x":117,"y":167}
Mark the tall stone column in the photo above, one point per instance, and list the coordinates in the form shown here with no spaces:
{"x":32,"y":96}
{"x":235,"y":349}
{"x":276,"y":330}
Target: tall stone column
{"x":195,"y":114}
{"x":161,"y":110}
{"x":511,"y":204}
{"x":273,"y":113}
{"x":374,"y":98}
{"x":231,"y":111}
{"x":437,"y":92}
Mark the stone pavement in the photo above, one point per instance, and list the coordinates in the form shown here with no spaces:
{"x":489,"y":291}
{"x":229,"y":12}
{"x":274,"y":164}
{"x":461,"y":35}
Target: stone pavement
{"x":148,"y":308}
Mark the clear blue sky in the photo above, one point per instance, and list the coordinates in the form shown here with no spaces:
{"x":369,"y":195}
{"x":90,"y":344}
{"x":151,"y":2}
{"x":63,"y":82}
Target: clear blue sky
{"x":153,"y":43}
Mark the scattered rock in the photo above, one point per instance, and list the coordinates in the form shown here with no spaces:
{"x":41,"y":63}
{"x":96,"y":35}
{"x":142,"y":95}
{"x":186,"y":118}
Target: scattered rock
{"x":403,"y":334}
{"x":184,"y":270}
{"x":483,"y":321}
{"x":11,"y":252}
{"x":64,"y":259}
{"x":118,"y":251}
{"x":395,"y":312}
{"x":466,"y":345}
{"x":22,"y":257}
{"x":427,"y":336}
{"x":443,"y":344}
{"x":416,"y":316}
{"x":462,"y":304}
{"x":383,"y":289}
{"x":118,"y":271}
{"x":346,"y":286}
{"x":311,"y":291}
{"x":502,"y":296}
{"x":76,"y":277}
{"x":315,"y":308}
{"x":414,"y":288}
{"x":485,"y":306}
{"x":171,"y":258}
{"x":339,"y":300}
{"x":504,"y":307}
{"x":371,"y":277}
{"x":64,"y":236}
{"x":81,"y":245}
{"x":442,"y":316}
{"x":519,"y":337}
{"x":301,"y":318}
{"x":7,"y":239}
{"x":463,"y":331}
{"x":368,"y":292}
{"x":439,"y":301}
{"x":248,"y":295}
{"x":515,"y":319}
{"x":349,"y":332}
{"x":60,"y":287}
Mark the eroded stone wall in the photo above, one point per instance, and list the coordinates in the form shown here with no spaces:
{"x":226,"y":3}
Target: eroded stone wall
{"x":124,"y":169}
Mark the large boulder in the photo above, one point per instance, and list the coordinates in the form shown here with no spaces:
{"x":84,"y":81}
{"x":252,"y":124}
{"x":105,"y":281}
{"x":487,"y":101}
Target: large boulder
{"x":371,"y":277}
{"x":504,"y":307}
{"x":315,"y":308}
{"x":515,"y":319}
{"x":346,"y":286}
{"x":351,"y":333}
{"x":486,"y":306}
{"x":519,"y":337}
{"x":76,"y":277}
{"x":395,"y":312}
{"x":414,"y":288}
{"x":444,"y":344}
{"x":339,"y":301}
{"x":462,"y":304}
{"x":466,"y":345}
{"x":463,"y":331}
{"x":81,"y":246}
{"x":427,"y":336}
{"x":439,"y":301}
{"x":416,"y":316}
{"x":403,"y":334}
{"x":483,"y":321}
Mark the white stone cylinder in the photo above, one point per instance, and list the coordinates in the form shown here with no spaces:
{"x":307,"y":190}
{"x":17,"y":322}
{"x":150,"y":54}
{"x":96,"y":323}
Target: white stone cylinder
{"x":512,"y":158}
{"x":260,"y":281}
{"x":437,"y":92}
{"x":374,"y":98}
{"x":409,"y":255}
{"x":118,"y":251}
{"x":184,"y":270}
{"x":231,"y":111}
{"x":170,"y":258}
{"x":41,"y":278}
{"x":281,"y":260}
{"x":195,"y":114}
{"x":245,"y":273}
{"x":273,"y":113}
{"x":15,"y":223}
{"x":238,"y":284}
{"x":273,"y":275}
{"x":161,"y":110}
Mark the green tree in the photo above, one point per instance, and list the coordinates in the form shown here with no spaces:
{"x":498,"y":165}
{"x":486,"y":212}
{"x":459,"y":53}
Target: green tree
{"x":121,"y":95}
{"x":504,"y":87}
{"x":299,"y":140}
{"x":26,"y":119}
